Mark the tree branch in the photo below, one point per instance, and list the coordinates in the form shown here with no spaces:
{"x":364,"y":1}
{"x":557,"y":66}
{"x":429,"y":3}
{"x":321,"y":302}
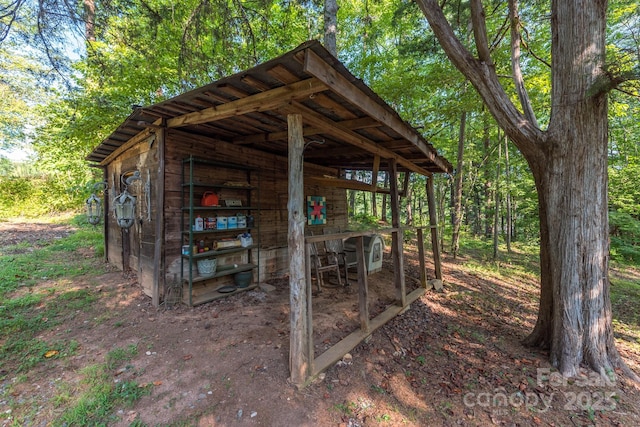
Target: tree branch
{"x":480,"y":31}
{"x":518,"y":80}
{"x":527,"y":136}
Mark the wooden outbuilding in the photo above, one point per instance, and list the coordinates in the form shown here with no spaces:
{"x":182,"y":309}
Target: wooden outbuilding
{"x":267,"y":148}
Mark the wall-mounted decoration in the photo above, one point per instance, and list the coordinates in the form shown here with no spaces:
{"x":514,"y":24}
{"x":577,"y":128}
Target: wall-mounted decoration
{"x":124,"y":204}
{"x":94,"y":205}
{"x":316,"y":210}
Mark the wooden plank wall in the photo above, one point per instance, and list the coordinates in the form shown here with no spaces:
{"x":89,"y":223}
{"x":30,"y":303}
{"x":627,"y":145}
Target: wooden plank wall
{"x":271,"y":176}
{"x":144,"y":158}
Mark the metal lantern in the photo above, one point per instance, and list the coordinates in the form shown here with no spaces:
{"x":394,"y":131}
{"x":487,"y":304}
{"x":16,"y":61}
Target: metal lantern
{"x":94,"y":209}
{"x":125,"y":209}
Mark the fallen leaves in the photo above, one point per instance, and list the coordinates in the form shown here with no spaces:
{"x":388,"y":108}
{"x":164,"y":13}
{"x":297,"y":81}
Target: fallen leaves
{"x":51,"y":353}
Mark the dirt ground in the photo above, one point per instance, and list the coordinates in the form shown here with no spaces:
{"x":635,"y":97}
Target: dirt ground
{"x":453,"y":359}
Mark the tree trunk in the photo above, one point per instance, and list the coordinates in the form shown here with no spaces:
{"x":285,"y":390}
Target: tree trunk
{"x":457,"y":192}
{"x":330,"y":25}
{"x":89,"y":20}
{"x":569,"y":165}
{"x":409,"y":201}
{"x":374,"y":204}
{"x":384,"y":198}
{"x":507,"y":203}
{"x":496,"y":213}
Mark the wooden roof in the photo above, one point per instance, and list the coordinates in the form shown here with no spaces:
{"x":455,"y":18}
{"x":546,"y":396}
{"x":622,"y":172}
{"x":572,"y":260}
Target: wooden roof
{"x":358,"y":130}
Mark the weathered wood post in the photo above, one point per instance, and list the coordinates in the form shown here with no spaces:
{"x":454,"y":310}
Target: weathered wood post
{"x":421,"y":260}
{"x":396,"y":236}
{"x":363,"y":287}
{"x":299,"y":357}
{"x":158,"y":250}
{"x":434,"y":227}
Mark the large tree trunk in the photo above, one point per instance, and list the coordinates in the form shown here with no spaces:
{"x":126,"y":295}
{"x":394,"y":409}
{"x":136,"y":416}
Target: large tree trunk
{"x":569,"y":164}
{"x":507,"y":203}
{"x":457,"y":190}
{"x":330,"y":25}
{"x":496,"y":212}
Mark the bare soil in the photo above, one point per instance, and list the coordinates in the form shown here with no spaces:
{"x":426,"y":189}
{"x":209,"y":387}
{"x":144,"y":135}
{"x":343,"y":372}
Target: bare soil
{"x":453,"y":358}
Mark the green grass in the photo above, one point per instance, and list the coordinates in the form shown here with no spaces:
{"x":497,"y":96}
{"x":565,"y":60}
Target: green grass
{"x":27,"y":311}
{"x":118,"y":355}
{"x":98,"y":398}
{"x":24,"y":266}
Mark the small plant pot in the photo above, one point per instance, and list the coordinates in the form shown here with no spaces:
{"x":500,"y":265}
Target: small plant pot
{"x":243,"y":279}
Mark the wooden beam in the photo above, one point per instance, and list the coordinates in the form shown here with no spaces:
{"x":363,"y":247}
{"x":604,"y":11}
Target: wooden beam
{"x":158,"y":250}
{"x":299,"y":357}
{"x":136,"y":139}
{"x":435,"y":245}
{"x":397,"y":237}
{"x":331,"y":127}
{"x":335,"y":353}
{"x":262,"y":101}
{"x":362,"y":123}
{"x":341,"y":183}
{"x":318,"y":68}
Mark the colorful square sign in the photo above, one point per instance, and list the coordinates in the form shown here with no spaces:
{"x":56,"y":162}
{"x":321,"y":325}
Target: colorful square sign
{"x":316,"y":210}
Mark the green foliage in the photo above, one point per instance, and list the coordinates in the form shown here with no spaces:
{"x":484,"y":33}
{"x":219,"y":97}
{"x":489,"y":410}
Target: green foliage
{"x":37,"y":196}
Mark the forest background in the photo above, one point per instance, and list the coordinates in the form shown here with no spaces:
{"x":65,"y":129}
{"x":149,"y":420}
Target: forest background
{"x":71,"y":72}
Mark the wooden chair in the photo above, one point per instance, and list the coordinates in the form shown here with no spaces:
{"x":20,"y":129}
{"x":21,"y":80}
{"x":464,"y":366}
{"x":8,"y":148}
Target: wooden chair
{"x":335,"y":247}
{"x":322,"y":263}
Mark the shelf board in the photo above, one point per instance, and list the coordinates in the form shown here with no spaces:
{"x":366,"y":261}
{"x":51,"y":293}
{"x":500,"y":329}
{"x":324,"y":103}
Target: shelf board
{"x":213,"y":295}
{"x":221,"y":273}
{"x":216,"y":230}
{"x":219,"y":208}
{"x":219,"y":252}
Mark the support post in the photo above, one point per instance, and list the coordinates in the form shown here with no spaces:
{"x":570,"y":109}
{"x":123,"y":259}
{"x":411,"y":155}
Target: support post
{"x":396,"y":236}
{"x":105,"y":212}
{"x":421,"y":260}
{"x":158,"y":250}
{"x":434,"y":227}
{"x":363,"y":286}
{"x":299,"y":357}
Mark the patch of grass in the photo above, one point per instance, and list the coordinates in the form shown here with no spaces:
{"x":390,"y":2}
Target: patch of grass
{"x":25,"y":264}
{"x":345,"y":408}
{"x":118,"y":355}
{"x":98,"y":395}
{"x":25,"y":313}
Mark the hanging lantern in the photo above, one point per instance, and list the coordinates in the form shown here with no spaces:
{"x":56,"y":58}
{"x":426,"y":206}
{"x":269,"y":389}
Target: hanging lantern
{"x":94,"y":209}
{"x":125,"y":209}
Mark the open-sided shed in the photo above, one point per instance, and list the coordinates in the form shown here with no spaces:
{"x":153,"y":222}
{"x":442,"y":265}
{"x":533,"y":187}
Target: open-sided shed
{"x":262,"y":140}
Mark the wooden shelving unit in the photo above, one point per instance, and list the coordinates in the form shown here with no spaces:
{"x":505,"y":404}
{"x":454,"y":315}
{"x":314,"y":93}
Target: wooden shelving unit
{"x":199,"y":176}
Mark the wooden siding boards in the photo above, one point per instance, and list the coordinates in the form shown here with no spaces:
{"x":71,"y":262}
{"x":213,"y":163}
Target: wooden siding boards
{"x":271,"y":197}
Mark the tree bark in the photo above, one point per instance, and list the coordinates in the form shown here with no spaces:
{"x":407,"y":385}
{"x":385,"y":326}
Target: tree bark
{"x":89,"y":20}
{"x":409,"y":200}
{"x":457,"y":191}
{"x":330,"y":26}
{"x":384,"y":198}
{"x":496,"y":212}
{"x":569,"y":165}
{"x":507,"y":203}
